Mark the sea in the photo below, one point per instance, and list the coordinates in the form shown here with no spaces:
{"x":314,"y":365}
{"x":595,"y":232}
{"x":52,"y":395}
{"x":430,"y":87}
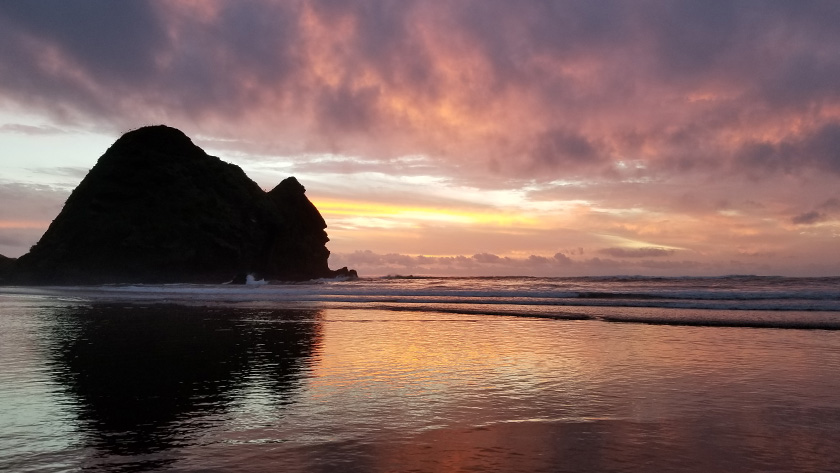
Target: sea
{"x":424,"y":374}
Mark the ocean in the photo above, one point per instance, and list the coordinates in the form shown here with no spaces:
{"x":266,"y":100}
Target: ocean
{"x":619,"y":374}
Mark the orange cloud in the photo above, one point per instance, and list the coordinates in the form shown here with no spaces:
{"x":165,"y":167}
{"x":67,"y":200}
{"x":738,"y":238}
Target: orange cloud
{"x":536,"y":127}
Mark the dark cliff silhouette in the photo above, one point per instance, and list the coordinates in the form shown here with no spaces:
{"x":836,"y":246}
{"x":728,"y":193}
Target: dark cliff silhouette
{"x":156,"y":208}
{"x":6,"y":266}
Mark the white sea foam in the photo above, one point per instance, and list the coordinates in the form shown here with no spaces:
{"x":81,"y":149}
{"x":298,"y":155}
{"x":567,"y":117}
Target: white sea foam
{"x":532,"y":296}
{"x":251,"y":281}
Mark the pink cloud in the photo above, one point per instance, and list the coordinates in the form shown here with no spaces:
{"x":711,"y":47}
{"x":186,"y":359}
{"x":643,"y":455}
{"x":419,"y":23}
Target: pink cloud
{"x":533,"y":91}
{"x":707,"y":126}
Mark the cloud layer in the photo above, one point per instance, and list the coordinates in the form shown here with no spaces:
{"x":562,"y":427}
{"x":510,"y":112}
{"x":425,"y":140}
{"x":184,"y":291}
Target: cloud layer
{"x":657,"y":131}
{"x":537,"y":89}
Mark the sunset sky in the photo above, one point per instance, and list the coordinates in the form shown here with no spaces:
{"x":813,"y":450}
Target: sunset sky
{"x":555,"y":138}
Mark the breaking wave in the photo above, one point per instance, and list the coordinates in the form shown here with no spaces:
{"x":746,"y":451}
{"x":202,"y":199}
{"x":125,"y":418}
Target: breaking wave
{"x":741,"y":301}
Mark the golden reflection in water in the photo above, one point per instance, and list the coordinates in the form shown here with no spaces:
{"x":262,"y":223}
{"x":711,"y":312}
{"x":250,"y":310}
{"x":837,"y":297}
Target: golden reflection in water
{"x":446,"y":392}
{"x":603,"y":445}
{"x":375,"y":390}
{"x":624,"y":368}
{"x":432,"y":355}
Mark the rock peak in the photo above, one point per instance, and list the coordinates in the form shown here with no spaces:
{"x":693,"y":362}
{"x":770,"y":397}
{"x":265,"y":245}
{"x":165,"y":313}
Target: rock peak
{"x":290,"y":185}
{"x":157,"y":208}
{"x":155,"y":139}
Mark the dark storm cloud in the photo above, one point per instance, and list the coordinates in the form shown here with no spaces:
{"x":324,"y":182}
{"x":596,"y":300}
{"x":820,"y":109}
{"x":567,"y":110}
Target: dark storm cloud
{"x":808,"y":218}
{"x":823,"y":147}
{"x":780,"y":49}
{"x":831,"y":204}
{"x":562,"y":259}
{"x":562,"y":147}
{"x":508,"y":35}
{"x":224,"y":64}
{"x":694,"y":37}
{"x":114,"y":42}
{"x":344,"y":109}
{"x":528,"y":89}
{"x":387,"y":38}
{"x":821,"y":213}
{"x":137,"y":50}
{"x":118,"y":39}
{"x":819,"y":149}
{"x":486,"y":258}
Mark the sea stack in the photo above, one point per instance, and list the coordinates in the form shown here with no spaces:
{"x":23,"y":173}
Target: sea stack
{"x":157,"y":209}
{"x":6,"y":266}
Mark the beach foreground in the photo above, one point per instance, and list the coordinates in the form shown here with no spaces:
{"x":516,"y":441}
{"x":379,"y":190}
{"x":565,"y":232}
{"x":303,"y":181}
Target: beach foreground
{"x":342,"y":376}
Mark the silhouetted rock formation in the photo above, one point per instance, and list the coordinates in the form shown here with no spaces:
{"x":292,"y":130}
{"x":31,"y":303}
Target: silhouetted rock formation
{"x":156,"y":208}
{"x":6,"y":266}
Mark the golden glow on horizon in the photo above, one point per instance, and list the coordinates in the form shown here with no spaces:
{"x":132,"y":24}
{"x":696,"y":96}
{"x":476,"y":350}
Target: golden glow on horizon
{"x":24,"y":224}
{"x":373,"y":210}
{"x":636,"y":244}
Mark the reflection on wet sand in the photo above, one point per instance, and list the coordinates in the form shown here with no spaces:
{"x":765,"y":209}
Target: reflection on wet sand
{"x":584,"y":445}
{"x":700,"y":444}
{"x":246,"y":389}
{"x":141,"y":380}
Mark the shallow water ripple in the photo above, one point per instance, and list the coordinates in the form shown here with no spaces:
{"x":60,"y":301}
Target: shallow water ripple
{"x":122,"y":386}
